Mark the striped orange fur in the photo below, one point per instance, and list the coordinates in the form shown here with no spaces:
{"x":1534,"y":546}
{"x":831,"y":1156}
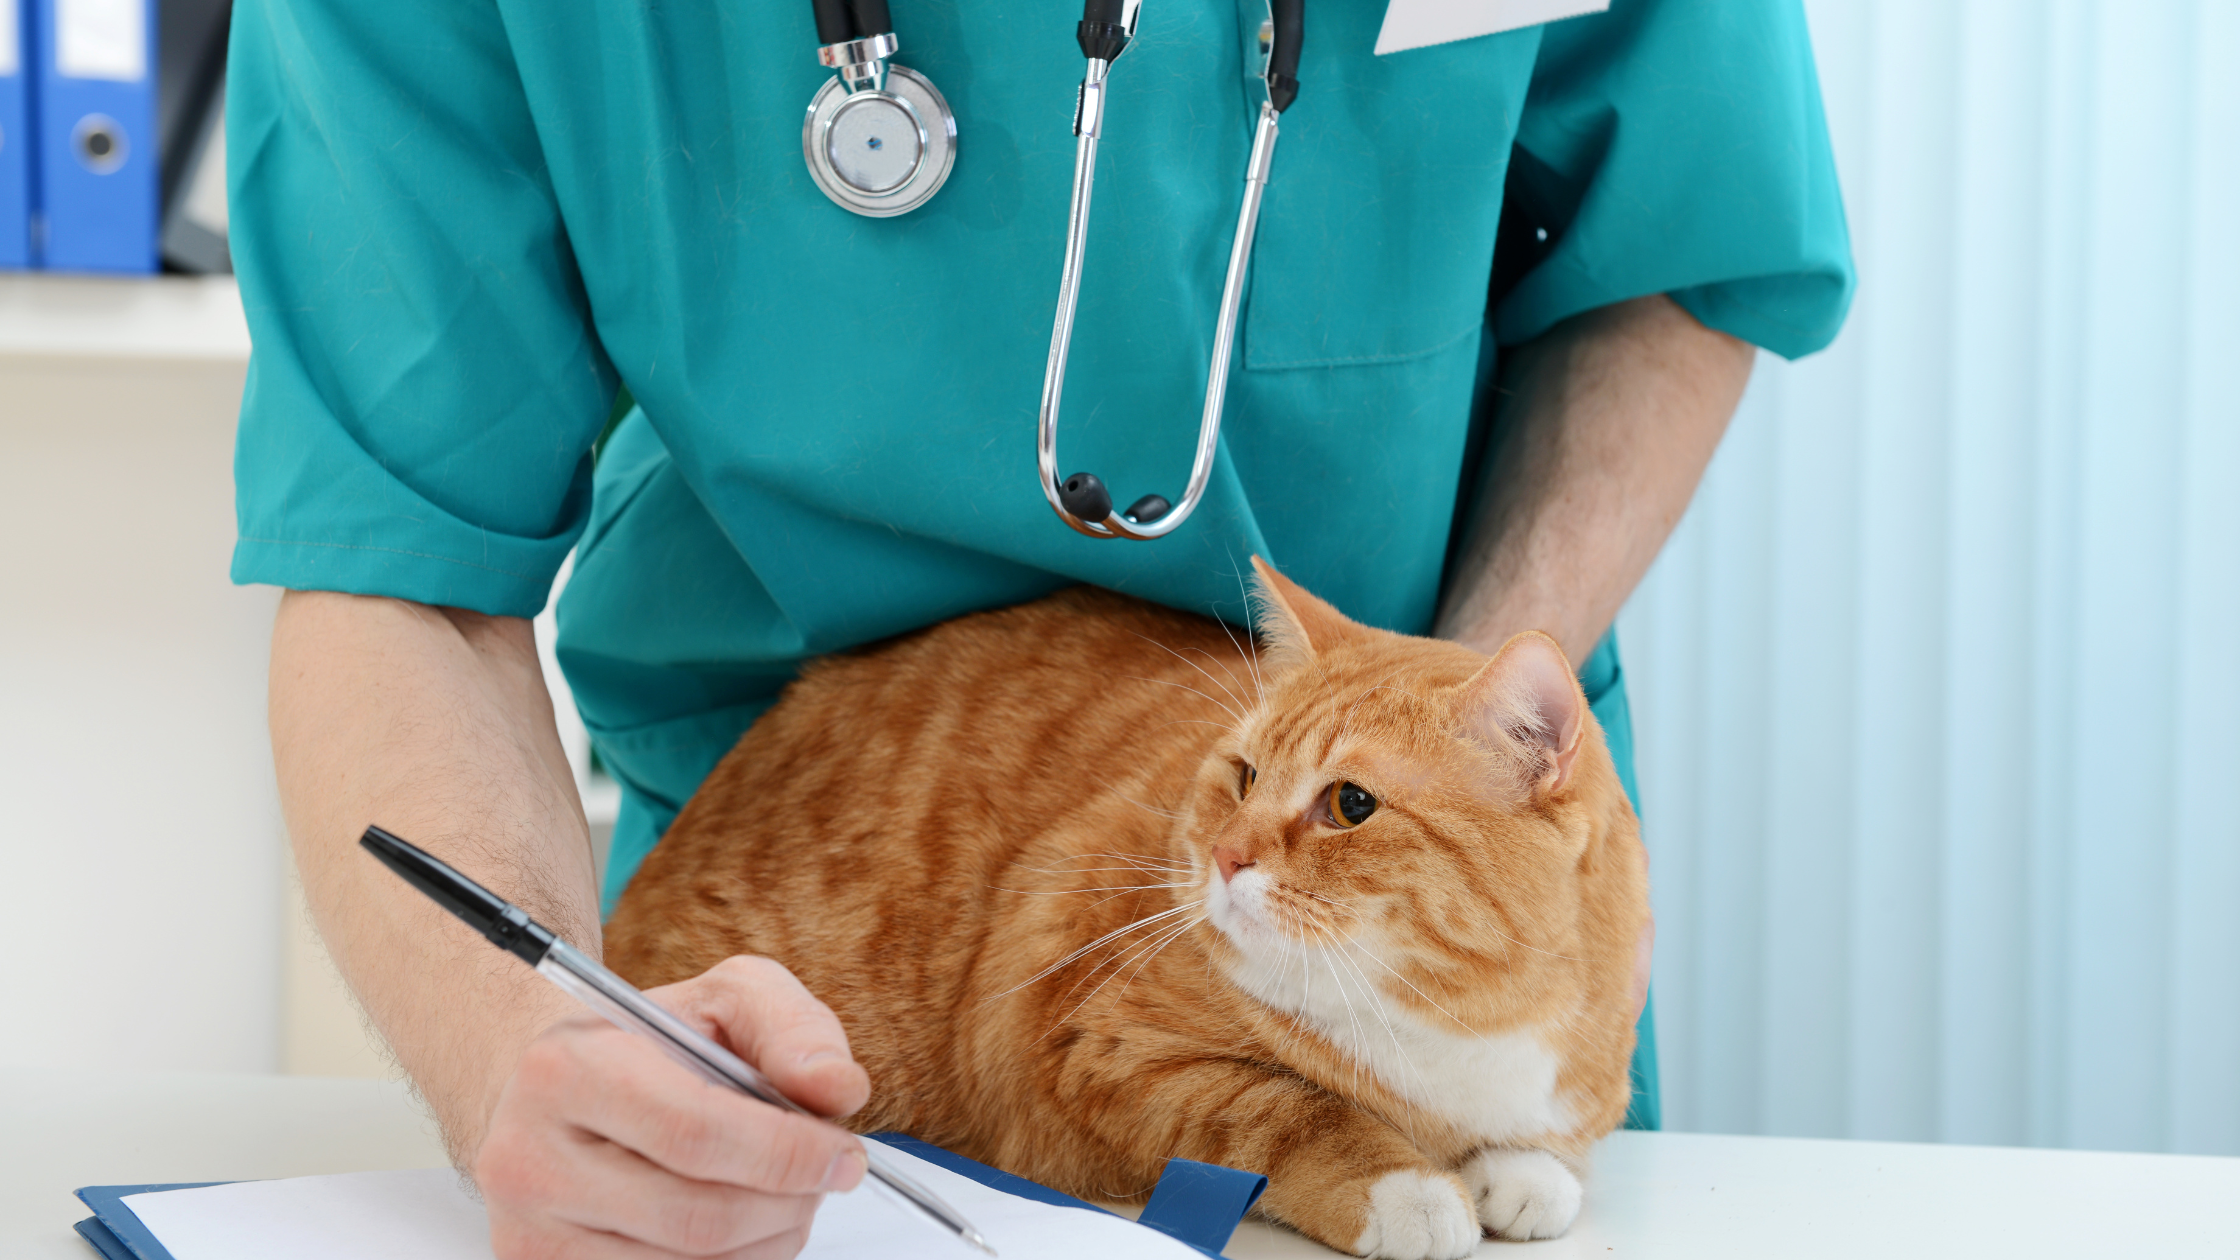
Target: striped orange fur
{"x":1069,"y":874}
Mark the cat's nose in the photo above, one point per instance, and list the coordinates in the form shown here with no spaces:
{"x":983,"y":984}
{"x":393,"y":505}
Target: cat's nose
{"x":1228,"y":861}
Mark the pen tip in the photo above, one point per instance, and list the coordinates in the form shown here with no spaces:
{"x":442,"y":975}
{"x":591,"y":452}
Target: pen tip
{"x":973,"y":1237}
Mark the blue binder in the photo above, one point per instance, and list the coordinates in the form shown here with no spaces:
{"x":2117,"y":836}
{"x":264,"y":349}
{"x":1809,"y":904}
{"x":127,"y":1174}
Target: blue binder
{"x":98,"y":149}
{"x":16,"y":133}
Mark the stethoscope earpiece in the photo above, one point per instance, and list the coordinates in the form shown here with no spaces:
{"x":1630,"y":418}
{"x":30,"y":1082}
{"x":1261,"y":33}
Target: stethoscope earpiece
{"x":1084,"y":495}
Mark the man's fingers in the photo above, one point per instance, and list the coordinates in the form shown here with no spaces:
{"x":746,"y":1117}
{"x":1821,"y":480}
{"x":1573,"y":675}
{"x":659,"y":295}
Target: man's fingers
{"x":696,"y":1130}
{"x":548,"y":1239}
{"x":605,"y":1148}
{"x":764,"y":1013}
{"x":605,"y":1188}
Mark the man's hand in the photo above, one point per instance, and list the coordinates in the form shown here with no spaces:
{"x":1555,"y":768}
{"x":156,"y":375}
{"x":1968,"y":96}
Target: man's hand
{"x":587,"y":1141}
{"x":600,"y":1146}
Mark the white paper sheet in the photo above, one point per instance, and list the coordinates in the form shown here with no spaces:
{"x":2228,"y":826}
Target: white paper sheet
{"x":419,"y":1212}
{"x":1422,"y":23}
{"x":425,"y":1214}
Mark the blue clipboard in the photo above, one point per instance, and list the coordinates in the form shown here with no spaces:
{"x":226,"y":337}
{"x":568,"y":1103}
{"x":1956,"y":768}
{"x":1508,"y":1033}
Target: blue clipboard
{"x":1198,"y":1205}
{"x":114,"y":1231}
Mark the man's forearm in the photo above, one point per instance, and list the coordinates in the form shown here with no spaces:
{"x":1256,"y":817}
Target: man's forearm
{"x":436,"y":725}
{"x":1607,"y":424}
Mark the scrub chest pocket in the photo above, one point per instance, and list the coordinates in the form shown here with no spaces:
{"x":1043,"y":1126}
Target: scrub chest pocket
{"x":1376,"y":243}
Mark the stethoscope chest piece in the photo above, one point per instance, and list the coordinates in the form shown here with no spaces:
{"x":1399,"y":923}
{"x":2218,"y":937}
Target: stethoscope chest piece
{"x":880,"y":151}
{"x":879,"y":138}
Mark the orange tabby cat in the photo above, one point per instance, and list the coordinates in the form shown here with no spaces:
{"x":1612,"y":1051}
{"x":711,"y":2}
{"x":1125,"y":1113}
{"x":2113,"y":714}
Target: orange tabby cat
{"x":1090,"y":885}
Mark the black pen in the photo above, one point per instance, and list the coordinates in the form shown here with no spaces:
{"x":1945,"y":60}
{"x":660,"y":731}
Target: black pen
{"x":504,"y":925}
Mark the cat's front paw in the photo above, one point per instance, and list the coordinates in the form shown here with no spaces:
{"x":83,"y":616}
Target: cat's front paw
{"x":1523,"y":1194}
{"x":1418,"y":1216}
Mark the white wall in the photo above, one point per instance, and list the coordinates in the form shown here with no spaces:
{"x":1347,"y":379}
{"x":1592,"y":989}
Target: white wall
{"x":155,"y":918}
{"x":1936,"y":686}
{"x":140,"y":837}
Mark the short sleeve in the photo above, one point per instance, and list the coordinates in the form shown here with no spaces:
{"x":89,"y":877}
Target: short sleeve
{"x":1679,"y":147}
{"x":424,"y":384}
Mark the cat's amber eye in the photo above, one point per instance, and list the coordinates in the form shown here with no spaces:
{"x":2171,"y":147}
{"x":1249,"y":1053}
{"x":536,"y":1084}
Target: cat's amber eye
{"x":1349,"y":805}
{"x":1246,"y":777}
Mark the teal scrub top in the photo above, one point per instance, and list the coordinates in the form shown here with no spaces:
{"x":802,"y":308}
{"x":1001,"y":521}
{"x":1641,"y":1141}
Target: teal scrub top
{"x":461,"y":226}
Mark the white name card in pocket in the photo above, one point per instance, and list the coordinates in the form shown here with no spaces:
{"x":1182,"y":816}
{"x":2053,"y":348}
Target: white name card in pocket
{"x":1422,"y":23}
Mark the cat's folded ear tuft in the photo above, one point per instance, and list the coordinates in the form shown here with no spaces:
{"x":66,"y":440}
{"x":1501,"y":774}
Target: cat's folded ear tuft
{"x":1295,"y":624}
{"x":1527,"y":701}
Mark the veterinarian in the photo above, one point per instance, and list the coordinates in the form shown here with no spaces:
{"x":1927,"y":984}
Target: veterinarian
{"x":1503,"y":301}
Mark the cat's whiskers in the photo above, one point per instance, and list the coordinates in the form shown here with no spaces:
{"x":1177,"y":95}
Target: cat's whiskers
{"x":1346,"y":918}
{"x":1252,"y":655}
{"x":1139,"y":952}
{"x":1337,"y":954}
{"x":1357,"y":1052}
{"x":1256,"y":693}
{"x":1142,"y":863}
{"x":1288,"y":1024}
{"x":1170,"y":939}
{"x":1219,"y":726}
{"x":1138,"y":857}
{"x":1144,"y":950}
{"x":1107,"y":938}
{"x":1357,"y":944}
{"x":1201,"y":669}
{"x":1168,"y":814}
{"x":1115,"y":960}
{"x":1309,"y":950}
{"x":1112,"y":890}
{"x":1096,"y":870}
{"x":1301,"y":951}
{"x":1106,"y":888}
{"x":1258,"y":703}
{"x":1459,"y":1022}
{"x":1169,"y":682}
{"x":1235,"y":691}
{"x":1302,"y":943}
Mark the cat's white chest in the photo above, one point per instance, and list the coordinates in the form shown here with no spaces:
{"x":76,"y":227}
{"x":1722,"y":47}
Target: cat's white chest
{"x":1498,"y":1088}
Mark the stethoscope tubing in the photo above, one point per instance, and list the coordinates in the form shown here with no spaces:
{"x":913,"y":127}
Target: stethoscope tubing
{"x":1117,"y":524}
{"x":856,"y":38}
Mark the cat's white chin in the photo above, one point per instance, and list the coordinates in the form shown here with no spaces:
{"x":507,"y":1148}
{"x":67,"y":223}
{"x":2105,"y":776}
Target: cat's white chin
{"x":1499,"y":1088}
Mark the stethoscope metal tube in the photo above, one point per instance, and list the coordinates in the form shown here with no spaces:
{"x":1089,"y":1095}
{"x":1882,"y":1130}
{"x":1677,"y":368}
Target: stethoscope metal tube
{"x":1081,"y":500}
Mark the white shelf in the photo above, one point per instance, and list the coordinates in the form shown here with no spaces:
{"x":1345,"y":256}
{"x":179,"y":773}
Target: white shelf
{"x":196,"y":318}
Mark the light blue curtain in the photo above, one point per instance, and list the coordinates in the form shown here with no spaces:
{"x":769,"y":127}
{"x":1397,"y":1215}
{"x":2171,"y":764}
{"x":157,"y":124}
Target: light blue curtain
{"x":1938,"y":686}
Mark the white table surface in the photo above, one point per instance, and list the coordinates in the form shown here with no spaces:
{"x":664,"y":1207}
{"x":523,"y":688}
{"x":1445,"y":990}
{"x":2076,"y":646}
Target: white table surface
{"x":1652,"y":1194}
{"x":53,"y":316}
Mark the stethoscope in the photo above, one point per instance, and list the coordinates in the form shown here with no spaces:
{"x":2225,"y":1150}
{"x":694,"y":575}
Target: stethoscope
{"x":880,"y":140}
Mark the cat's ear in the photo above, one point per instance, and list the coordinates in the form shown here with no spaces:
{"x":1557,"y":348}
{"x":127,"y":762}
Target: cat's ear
{"x":1294,"y":622}
{"x":1527,"y":700}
